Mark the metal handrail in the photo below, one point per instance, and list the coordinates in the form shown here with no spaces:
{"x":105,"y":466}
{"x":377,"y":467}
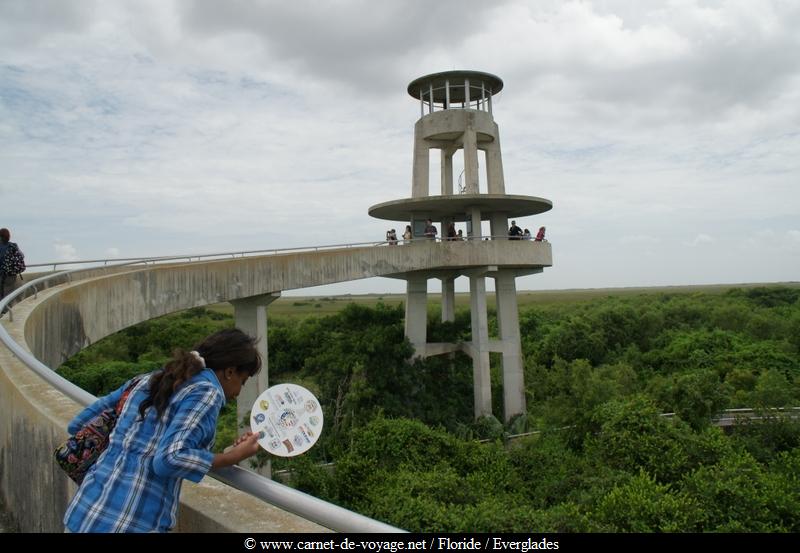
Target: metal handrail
{"x":304,"y":505}
{"x":720,"y":419}
{"x":198,"y":257}
{"x":247,"y":253}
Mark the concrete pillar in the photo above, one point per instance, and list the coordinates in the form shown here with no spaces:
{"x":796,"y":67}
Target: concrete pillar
{"x":494,"y":166}
{"x":250,"y":315}
{"x":447,"y":172}
{"x":471,"y":160}
{"x":482,"y":386}
{"x":420,"y":176}
{"x":417,"y":312}
{"x":475,"y":218}
{"x":508,"y":323}
{"x":448,"y":299}
{"x":498,"y":224}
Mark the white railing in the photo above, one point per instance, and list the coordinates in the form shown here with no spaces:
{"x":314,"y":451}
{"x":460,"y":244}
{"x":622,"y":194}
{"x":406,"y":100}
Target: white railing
{"x":189,"y":257}
{"x":203,"y":256}
{"x":306,"y":506}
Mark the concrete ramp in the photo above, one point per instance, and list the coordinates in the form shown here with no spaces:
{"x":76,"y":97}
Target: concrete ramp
{"x":87,"y":306}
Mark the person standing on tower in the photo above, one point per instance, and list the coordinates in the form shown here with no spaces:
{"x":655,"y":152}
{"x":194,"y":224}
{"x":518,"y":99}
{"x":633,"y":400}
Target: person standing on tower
{"x":430,"y":230}
{"x":408,"y":236}
{"x":514,"y":233}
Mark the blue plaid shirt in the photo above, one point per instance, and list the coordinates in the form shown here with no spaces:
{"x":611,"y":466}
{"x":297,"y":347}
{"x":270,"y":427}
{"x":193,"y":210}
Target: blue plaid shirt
{"x":135,"y":484}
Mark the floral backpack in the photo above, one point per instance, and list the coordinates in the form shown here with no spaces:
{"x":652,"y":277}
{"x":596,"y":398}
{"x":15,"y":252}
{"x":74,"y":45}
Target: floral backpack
{"x":13,"y":262}
{"x":77,"y":455}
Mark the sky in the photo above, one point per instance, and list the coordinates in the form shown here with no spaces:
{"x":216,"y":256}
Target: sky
{"x":665,"y":133}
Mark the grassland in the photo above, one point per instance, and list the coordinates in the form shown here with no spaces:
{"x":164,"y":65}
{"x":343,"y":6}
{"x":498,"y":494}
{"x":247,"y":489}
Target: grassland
{"x":304,"y":306}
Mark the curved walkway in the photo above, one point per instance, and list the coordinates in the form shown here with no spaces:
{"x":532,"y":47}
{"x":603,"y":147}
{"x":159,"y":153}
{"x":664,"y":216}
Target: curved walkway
{"x":85,"y":306}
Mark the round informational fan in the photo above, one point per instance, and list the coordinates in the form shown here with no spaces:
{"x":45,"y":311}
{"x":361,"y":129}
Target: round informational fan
{"x":288,"y":420}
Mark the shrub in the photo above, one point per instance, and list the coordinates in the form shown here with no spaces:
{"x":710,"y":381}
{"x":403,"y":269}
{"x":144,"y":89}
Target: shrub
{"x":631,"y":436}
{"x":694,"y":396}
{"x":644,"y":505}
{"x":739,"y":496}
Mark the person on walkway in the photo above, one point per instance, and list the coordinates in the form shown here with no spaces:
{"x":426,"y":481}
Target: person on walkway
{"x":460,"y":235}
{"x":540,"y":235}
{"x":164,"y":434}
{"x":11,"y":263}
{"x":514,"y":233}
{"x":408,"y":236}
{"x":391,"y":237}
{"x":451,"y":232}
{"x":430,"y":230}
{"x":526,"y":235}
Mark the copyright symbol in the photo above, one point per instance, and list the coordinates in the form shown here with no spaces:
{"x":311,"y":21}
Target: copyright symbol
{"x":249,"y":543}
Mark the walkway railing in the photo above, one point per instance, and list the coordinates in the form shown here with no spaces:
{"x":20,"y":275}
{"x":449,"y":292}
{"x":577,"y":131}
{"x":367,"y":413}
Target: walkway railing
{"x":728,"y":417}
{"x":123,"y":261}
{"x":309,"y":507}
{"x":203,"y":256}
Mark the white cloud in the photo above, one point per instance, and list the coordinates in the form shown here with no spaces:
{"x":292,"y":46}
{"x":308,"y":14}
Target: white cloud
{"x":791,"y":241}
{"x":65,"y":251}
{"x":156,"y":127}
{"x":639,"y":239}
{"x":701,"y":239}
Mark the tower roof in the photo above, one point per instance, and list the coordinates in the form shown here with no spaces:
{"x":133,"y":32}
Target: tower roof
{"x":458,"y":205}
{"x":494,"y":84}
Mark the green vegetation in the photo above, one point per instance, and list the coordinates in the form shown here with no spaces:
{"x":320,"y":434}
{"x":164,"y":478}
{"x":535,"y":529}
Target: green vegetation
{"x":599,"y":370}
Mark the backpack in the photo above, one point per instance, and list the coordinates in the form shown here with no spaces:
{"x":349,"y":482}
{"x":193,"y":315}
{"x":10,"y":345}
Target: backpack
{"x":13,"y":262}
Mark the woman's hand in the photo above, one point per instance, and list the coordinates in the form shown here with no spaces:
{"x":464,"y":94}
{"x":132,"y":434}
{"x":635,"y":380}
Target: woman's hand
{"x":244,"y":437}
{"x":243,"y":448}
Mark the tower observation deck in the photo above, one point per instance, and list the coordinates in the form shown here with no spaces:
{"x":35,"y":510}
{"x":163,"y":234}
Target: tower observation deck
{"x":456,"y":117}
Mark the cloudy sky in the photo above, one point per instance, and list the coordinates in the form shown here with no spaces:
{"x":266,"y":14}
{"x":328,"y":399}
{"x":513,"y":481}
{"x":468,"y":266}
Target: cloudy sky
{"x":666,"y":133}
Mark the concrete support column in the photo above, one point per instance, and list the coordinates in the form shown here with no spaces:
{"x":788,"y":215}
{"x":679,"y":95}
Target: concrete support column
{"x":471,"y":161}
{"x":448,"y":299}
{"x":417,"y":312}
{"x":447,"y":172}
{"x":250,"y":315}
{"x":482,"y":386}
{"x":508,"y":322}
{"x":494,"y":166}
{"x":498,"y":223}
{"x":420,"y":176}
{"x":475,"y":218}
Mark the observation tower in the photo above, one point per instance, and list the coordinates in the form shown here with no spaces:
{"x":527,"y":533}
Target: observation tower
{"x":456,"y":118}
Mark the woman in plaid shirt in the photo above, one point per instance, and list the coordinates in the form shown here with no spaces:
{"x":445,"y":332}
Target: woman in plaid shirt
{"x":164,"y":434}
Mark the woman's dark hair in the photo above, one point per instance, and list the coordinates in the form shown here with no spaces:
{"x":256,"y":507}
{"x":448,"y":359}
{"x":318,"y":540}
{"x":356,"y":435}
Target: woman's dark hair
{"x":229,"y":347}
{"x":5,"y":235}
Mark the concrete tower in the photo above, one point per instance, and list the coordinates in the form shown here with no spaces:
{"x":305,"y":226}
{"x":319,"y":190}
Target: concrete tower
{"x":456,"y":118}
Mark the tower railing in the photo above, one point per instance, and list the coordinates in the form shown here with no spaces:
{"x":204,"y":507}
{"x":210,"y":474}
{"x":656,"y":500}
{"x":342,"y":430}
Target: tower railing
{"x":475,"y":96}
